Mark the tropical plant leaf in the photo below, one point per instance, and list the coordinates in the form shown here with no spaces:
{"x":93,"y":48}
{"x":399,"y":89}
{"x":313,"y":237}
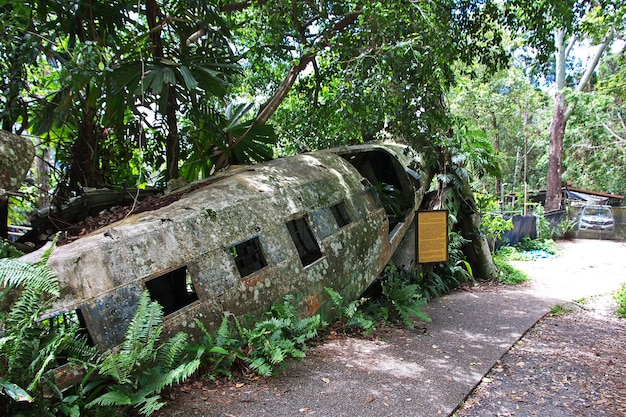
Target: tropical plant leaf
{"x":14,"y":392}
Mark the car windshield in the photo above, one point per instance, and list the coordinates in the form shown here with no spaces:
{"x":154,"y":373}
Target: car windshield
{"x":597,"y":211}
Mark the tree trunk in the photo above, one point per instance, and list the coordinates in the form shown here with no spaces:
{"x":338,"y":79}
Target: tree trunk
{"x":172,"y":144}
{"x":555,"y":154}
{"x":562,"y":112}
{"x":557,"y":125}
{"x":4,"y":217}
{"x":477,"y":250}
{"x":84,"y":171}
{"x":43,"y":176}
{"x":16,"y":157}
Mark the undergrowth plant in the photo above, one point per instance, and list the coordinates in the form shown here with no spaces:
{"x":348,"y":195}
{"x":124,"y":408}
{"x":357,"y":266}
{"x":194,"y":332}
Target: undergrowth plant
{"x":9,"y":251}
{"x":441,"y":278}
{"x":528,"y":244}
{"x":143,"y":366}
{"x":620,"y":297}
{"x":258,"y":346}
{"x":267,"y":344}
{"x":349,"y":315}
{"x":559,"y":310}
{"x":30,"y":348}
{"x":493,"y":224}
{"x":507,"y":273}
{"x":400,"y":301}
{"x":219,"y":350}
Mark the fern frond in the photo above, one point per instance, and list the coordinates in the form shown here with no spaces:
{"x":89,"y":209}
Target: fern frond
{"x":15,"y":272}
{"x":177,"y":375}
{"x":115,"y":397}
{"x":173,"y":351}
{"x":48,"y":251}
{"x":151,"y":405}
{"x":145,"y":327}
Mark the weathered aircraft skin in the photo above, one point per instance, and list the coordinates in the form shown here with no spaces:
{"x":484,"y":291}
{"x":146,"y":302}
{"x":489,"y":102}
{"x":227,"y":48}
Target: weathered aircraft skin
{"x":242,"y":242}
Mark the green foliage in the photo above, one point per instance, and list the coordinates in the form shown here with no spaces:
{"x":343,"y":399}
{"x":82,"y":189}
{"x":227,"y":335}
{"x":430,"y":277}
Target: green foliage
{"x":401,"y":300}
{"x":514,"y":115}
{"x":620,"y":297}
{"x":270,"y":342}
{"x":261,"y":346}
{"x":441,"y":278}
{"x":350,"y":315}
{"x":508,"y":274}
{"x":30,"y":348}
{"x":494,"y":226}
{"x":528,"y":244}
{"x":388,"y":196}
{"x":8,"y":251}
{"x":220,"y":351}
{"x":218,"y":139}
{"x":559,"y":310}
{"x":566,"y":228}
{"x":143,"y":367}
{"x":493,"y":223}
{"x":511,"y":253}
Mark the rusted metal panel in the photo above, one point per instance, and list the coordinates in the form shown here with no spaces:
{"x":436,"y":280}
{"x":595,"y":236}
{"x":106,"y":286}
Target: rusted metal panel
{"x":190,"y":248}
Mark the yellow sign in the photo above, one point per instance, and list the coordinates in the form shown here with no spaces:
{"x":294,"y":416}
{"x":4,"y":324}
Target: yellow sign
{"x":432,"y":236}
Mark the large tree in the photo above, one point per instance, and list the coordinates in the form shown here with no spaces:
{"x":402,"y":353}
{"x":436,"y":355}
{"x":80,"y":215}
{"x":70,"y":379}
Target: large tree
{"x":513,"y":114}
{"x":596,"y":132}
{"x":371,"y":67}
{"x":554,"y":29}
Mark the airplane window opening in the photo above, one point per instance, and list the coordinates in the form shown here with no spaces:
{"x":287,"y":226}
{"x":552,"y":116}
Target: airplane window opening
{"x":62,"y":323}
{"x":341,"y":214}
{"x":173,"y":290}
{"x":305,"y":242}
{"x":248,"y":256}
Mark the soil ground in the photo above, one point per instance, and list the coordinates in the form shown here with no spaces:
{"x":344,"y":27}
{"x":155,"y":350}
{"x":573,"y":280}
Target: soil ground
{"x":573,"y":361}
{"x":570,"y":363}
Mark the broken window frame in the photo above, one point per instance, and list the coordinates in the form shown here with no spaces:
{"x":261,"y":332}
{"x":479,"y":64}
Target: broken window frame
{"x":173,"y":290}
{"x":303,"y":238}
{"x":253,"y":260}
{"x":65,"y":320}
{"x":341,"y":214}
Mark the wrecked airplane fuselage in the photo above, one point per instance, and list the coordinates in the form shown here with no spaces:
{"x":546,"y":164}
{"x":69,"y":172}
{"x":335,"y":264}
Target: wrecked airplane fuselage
{"x":243,"y":241}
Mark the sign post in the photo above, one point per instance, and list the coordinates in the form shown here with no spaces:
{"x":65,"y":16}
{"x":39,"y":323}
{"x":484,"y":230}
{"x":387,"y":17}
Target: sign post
{"x":432,"y":236}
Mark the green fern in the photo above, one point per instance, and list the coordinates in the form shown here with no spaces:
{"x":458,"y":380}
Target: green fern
{"x":219,"y":351}
{"x":38,"y":277}
{"x":349,"y":315}
{"x":9,"y":251}
{"x":404,"y":300}
{"x":30,"y":348}
{"x":142,"y":367}
{"x":259,"y":346}
{"x":269,"y":343}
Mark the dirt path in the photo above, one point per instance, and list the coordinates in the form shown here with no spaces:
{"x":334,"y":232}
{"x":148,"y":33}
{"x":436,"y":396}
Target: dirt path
{"x":573,"y":362}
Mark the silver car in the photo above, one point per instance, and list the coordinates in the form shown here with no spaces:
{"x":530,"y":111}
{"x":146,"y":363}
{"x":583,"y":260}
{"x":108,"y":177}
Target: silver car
{"x":598,"y":218}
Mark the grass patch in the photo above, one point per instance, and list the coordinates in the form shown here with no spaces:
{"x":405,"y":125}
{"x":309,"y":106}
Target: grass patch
{"x":507,"y":273}
{"x":620,"y":297}
{"x":559,"y":310}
